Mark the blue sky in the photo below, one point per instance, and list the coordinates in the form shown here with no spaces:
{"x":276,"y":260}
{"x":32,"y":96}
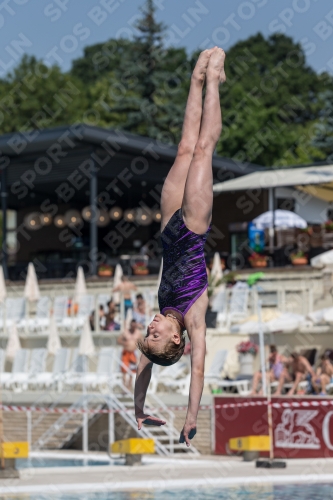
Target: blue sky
{"x":58,"y":30}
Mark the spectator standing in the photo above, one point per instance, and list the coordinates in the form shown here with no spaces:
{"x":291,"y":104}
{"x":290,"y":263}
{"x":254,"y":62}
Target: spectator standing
{"x":128,"y":339}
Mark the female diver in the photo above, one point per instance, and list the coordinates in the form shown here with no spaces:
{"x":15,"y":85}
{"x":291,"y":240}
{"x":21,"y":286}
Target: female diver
{"x":186,"y":206}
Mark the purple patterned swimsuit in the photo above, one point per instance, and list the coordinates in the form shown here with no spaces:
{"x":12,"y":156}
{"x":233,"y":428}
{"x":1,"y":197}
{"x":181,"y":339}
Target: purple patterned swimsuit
{"x":184,"y":275}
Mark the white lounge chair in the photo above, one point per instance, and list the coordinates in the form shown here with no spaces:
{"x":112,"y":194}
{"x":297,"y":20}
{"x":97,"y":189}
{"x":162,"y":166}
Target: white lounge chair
{"x":54,"y":378}
{"x":42,"y":319}
{"x":19,"y":371}
{"x":172,"y":377}
{"x":60,"y":309}
{"x":4,"y":376}
{"x":15,"y":311}
{"x":218,"y":301}
{"x":37,"y":363}
{"x":233,"y":308}
{"x":107,"y":372}
{"x":86,"y":306}
{"x":213,"y":376}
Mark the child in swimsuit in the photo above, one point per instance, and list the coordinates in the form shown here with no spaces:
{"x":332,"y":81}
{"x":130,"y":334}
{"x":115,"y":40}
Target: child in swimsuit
{"x":186,"y":205}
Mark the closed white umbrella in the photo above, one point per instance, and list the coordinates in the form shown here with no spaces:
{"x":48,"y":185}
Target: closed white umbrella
{"x":13,"y":344}
{"x":118,"y":272}
{"x":322,"y":260}
{"x":216,"y":272}
{"x":281,"y":219}
{"x":80,"y":285}
{"x":286,"y":323}
{"x":318,"y":317}
{"x":3,"y":289}
{"x":86,"y":344}
{"x":129,"y":317}
{"x":31,"y":288}
{"x":53,"y":342}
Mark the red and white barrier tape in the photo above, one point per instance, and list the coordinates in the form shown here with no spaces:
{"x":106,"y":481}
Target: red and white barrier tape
{"x":245,"y":404}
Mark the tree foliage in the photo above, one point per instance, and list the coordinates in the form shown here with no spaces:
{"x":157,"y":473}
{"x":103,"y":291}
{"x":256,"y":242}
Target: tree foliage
{"x":275,"y":107}
{"x":323,"y":137}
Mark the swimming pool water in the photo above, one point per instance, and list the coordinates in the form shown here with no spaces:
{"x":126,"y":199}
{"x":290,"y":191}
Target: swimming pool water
{"x":59,"y":462}
{"x":290,"y":492}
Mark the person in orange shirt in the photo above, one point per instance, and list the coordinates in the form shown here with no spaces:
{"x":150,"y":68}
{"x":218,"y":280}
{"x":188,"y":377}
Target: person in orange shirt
{"x":128,"y":339}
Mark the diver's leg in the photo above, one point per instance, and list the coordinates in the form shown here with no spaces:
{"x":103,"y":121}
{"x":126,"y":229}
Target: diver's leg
{"x":174,"y":185}
{"x":198,"y":194}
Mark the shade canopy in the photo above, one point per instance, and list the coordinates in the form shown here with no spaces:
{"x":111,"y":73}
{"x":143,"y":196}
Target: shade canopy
{"x":316,"y":180}
{"x":281,"y":219}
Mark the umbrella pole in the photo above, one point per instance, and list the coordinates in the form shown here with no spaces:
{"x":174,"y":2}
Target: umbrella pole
{"x":270,"y":422}
{"x":266,"y":386}
{"x":85,"y":439}
{"x":262,"y":351}
{"x":2,"y":464}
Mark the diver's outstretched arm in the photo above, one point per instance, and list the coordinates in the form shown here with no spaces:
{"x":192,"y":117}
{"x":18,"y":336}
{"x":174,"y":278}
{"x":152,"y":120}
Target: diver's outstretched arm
{"x":143,"y":376}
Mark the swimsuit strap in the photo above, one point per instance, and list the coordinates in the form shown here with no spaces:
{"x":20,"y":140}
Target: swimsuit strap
{"x":174,"y":317}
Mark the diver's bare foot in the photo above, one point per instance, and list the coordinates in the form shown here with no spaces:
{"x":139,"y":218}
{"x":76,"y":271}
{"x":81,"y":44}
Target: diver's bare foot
{"x":199,"y":72}
{"x":215,"y":68}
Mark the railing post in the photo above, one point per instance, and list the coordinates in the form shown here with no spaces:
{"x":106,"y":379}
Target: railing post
{"x":122,"y":312}
{"x":85,"y":430}
{"x":29,"y":429}
{"x":111,"y":425}
{"x":171,"y":434}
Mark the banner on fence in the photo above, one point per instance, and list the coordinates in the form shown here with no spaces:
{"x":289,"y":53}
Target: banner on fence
{"x":302,"y":427}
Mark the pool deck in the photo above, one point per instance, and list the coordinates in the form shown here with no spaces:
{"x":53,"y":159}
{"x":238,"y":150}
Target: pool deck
{"x":162,"y":473}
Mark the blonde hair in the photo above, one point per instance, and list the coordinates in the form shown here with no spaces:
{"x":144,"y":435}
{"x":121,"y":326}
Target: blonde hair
{"x":171,"y":352}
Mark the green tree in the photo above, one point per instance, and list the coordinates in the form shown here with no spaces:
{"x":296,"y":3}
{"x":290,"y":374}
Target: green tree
{"x":35,"y":96}
{"x":323,"y":137}
{"x":100,"y":59}
{"x":269,"y":97}
{"x":146,"y":92}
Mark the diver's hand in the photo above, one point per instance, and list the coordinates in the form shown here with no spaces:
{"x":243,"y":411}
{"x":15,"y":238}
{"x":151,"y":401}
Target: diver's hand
{"x":149,"y":420}
{"x":188,"y":432}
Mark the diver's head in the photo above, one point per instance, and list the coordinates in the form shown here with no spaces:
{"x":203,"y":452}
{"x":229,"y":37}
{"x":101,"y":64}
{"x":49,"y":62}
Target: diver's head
{"x":164,"y":343}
